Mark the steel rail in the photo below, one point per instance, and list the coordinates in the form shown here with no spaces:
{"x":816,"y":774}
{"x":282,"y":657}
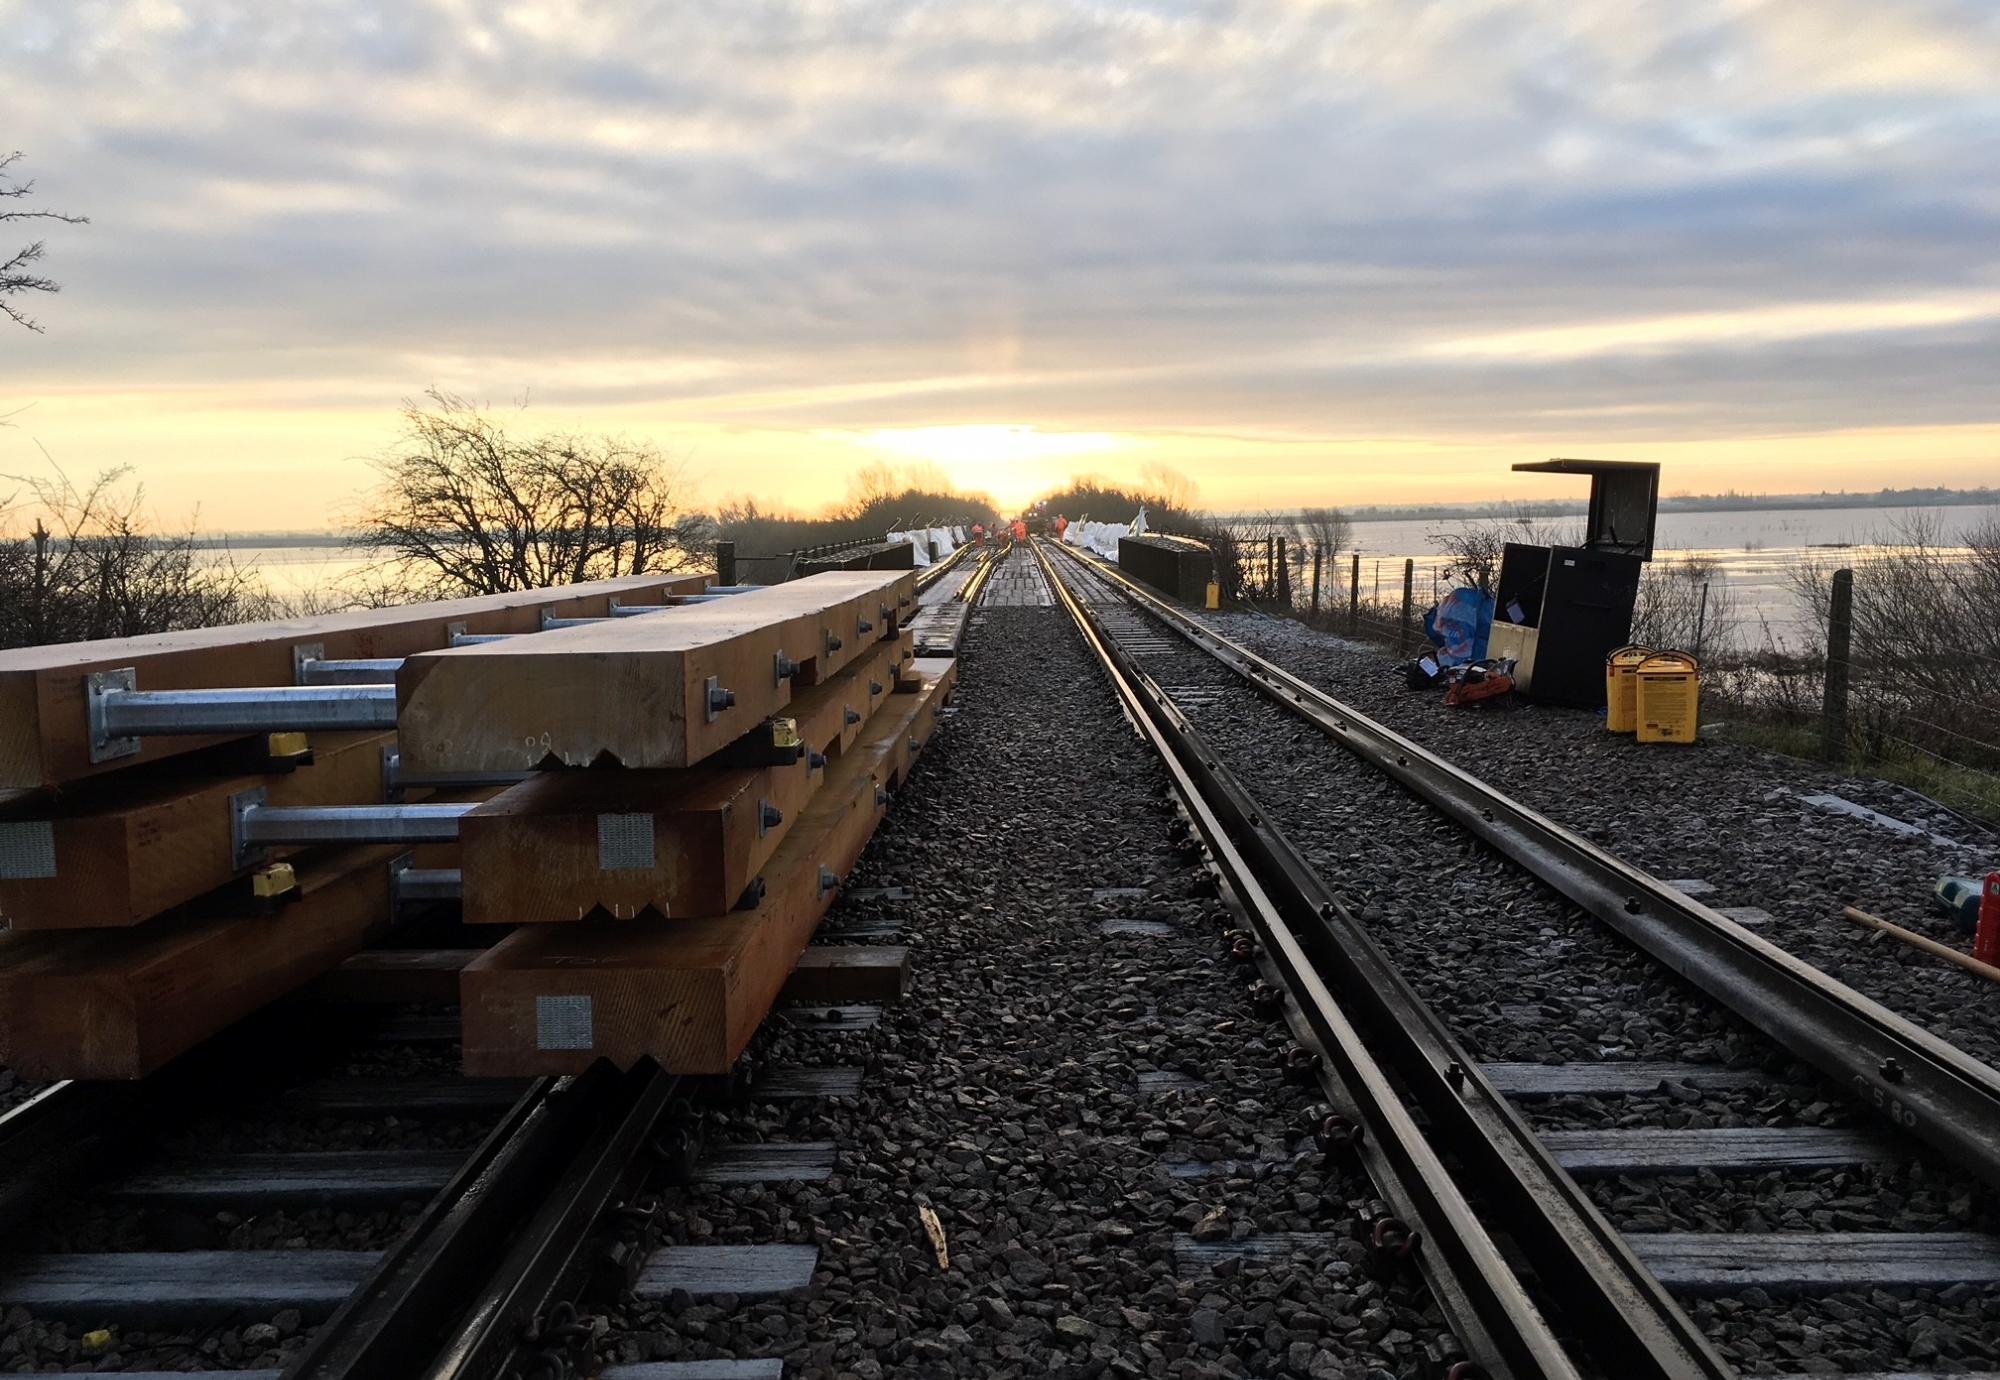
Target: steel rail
{"x":1632,"y":1325}
{"x":1924,"y":1086}
{"x":934,"y":573}
{"x":516,"y":1326}
{"x":1493,"y":1313}
{"x":977,"y":580}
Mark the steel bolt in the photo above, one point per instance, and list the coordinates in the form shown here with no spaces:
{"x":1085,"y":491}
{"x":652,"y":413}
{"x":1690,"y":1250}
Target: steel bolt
{"x":721,"y":698}
{"x":1891,"y":1070}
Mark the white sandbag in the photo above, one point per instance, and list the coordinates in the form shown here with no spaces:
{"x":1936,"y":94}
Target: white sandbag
{"x":920,"y":547}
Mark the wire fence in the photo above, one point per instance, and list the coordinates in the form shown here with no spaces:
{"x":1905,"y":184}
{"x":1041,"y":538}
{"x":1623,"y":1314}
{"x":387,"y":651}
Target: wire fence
{"x":1915,"y":695}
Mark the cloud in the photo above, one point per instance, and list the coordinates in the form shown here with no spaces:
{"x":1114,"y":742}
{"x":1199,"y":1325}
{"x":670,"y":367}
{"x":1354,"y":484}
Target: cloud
{"x":1316,"y":219}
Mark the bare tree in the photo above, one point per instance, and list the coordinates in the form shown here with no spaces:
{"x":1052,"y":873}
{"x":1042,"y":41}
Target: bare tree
{"x":1328,"y":528}
{"x":1473,"y":548}
{"x":1166,"y":488}
{"x":16,"y":271}
{"x":1685,"y":603}
{"x":89,"y":568}
{"x":467,"y":507}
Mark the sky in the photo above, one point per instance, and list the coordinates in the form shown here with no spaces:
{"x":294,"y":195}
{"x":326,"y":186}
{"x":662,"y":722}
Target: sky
{"x":1358,"y":251}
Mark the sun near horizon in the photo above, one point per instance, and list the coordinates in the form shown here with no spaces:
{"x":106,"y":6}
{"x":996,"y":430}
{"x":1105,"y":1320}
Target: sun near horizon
{"x":1302,"y":253}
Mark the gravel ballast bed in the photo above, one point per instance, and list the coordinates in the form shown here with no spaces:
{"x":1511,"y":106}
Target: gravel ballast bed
{"x":1003,"y":1093}
{"x":253,"y":1119}
{"x":1725,"y":813}
{"x":1521,"y":974}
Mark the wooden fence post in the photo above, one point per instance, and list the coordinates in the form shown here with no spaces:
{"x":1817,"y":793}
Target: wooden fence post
{"x":1318,"y":555}
{"x":1284,"y":576}
{"x":1839,"y":634}
{"x":1354,"y":599}
{"x":1409,"y":586}
{"x":725,"y":562}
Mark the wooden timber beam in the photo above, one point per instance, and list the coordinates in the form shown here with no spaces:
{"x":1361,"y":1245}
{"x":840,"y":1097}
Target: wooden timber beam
{"x":663,"y":691}
{"x":578,"y":844}
{"x":121,"y":1003}
{"x":554,"y":998}
{"x":120,"y":851}
{"x":575,"y":844}
{"x":44,"y":720}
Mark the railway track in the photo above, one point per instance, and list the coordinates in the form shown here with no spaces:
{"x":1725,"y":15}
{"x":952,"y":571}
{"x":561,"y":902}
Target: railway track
{"x":1181,"y":1093}
{"x":1554,"y":1154}
{"x":353,"y":1193}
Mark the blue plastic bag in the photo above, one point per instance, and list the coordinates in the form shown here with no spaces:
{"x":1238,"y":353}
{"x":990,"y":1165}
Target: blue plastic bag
{"x":1460,"y":625}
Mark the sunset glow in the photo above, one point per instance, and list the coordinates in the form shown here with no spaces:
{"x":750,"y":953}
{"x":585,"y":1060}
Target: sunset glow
{"x":1344,"y":252}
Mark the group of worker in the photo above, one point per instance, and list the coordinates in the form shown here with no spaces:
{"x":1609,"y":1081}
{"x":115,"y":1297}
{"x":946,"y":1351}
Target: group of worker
{"x":1017,"y":529}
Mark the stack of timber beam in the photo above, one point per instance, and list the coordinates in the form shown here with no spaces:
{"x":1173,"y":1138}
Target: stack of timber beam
{"x":664,"y":882}
{"x":135,"y":925}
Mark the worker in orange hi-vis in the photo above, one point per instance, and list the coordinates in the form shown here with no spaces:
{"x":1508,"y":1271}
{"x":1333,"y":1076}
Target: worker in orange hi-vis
{"x":1020,"y":530}
{"x":1062,"y":526}
{"x":979,"y":533}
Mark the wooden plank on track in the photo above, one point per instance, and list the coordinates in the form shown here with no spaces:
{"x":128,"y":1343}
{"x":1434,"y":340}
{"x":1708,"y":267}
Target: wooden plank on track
{"x":574,"y":844}
{"x":766,"y":1162}
{"x":849,"y":972}
{"x":183,"y":1284}
{"x":803,"y":1082}
{"x":636,"y":692}
{"x":395,"y":977}
{"x":1275,"y":1247}
{"x":116,"y":852}
{"x":419,"y":1027}
{"x":763,"y":1368}
{"x":121,"y":1003}
{"x":745,"y":1271}
{"x":405,"y":1098}
{"x":833,"y":1020}
{"x":44,"y":732}
{"x":321,"y":1178}
{"x":1616,"y":1079}
{"x":1809,"y":1262}
{"x":1730,"y":1149}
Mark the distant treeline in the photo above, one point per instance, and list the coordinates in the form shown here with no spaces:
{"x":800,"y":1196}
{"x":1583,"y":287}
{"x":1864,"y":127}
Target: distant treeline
{"x":1682,"y":503}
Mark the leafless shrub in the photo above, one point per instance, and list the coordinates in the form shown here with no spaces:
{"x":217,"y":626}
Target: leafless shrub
{"x":1473,"y":547}
{"x":1924,"y":647}
{"x":80,"y":563}
{"x":1685,"y":603}
{"x":1328,"y":529}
